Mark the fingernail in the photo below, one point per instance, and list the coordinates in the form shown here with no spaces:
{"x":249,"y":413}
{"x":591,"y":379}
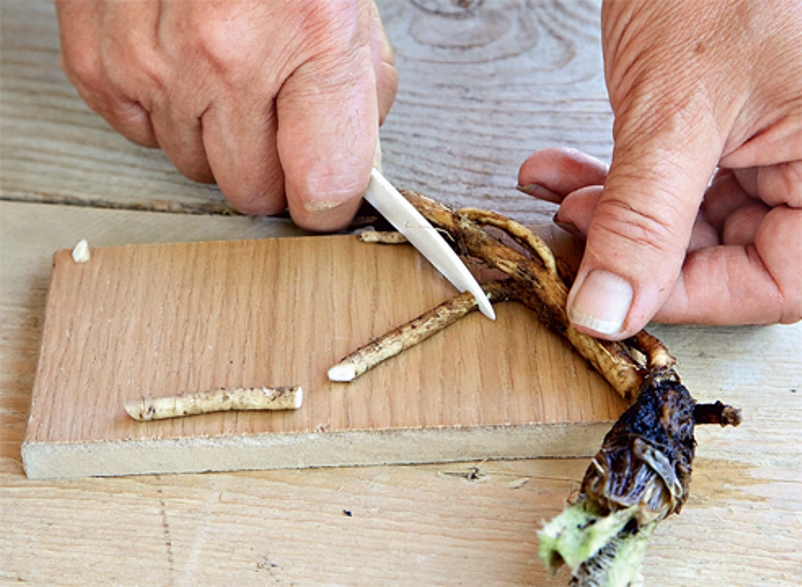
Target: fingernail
{"x":602,"y":302}
{"x":568,"y":227}
{"x":539,"y":191}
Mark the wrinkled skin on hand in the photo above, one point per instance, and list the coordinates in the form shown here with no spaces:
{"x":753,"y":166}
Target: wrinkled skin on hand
{"x":698,"y":88}
{"x":278,"y":102}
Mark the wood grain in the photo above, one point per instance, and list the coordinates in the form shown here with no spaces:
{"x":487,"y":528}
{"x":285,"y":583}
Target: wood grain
{"x":482,"y":86}
{"x":486,"y":84}
{"x":151,"y":321}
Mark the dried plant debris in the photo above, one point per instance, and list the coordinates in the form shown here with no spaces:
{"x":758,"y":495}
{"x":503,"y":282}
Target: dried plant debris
{"x":642,"y":471}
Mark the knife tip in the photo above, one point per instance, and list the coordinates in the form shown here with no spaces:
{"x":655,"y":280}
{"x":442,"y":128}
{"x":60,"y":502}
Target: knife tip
{"x":485,"y":307}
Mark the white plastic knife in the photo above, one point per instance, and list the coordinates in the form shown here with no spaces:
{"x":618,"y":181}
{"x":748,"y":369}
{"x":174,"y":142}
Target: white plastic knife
{"x":408,"y":221}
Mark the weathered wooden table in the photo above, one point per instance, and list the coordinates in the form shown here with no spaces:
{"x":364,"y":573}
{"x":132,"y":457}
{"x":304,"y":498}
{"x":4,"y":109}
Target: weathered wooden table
{"x":482,"y":85}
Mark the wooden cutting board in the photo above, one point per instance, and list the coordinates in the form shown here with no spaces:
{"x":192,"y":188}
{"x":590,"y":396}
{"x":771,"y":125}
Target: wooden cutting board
{"x":142,"y":321}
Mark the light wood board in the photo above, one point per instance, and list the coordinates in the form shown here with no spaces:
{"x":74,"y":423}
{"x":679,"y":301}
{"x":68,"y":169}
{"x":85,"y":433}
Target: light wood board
{"x":151,"y":320}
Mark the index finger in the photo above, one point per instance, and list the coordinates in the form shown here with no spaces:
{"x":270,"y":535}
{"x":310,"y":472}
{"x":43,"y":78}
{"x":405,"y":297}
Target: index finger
{"x":329,"y":125}
{"x":553,"y":173}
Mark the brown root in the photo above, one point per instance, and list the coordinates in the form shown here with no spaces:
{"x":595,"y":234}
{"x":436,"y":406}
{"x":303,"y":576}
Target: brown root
{"x":642,"y":471}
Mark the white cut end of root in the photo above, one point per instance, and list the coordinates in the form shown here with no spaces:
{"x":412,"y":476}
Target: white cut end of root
{"x":343,"y":373}
{"x":297,"y":399}
{"x":80,"y":252}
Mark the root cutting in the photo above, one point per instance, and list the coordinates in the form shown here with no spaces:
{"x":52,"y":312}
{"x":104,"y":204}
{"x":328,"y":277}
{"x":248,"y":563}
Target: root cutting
{"x":218,"y":400}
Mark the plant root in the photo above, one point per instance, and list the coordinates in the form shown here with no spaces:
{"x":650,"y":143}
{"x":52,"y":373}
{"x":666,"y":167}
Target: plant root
{"x":641,"y":474}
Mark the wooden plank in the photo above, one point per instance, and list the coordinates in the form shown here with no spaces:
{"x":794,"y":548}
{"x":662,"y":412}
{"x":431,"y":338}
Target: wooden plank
{"x":29,"y":234}
{"x":146,"y":321}
{"x":469,"y":523}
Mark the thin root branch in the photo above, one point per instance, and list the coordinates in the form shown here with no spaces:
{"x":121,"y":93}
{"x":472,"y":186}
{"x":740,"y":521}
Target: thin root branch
{"x":522,"y":235}
{"x":717,"y":413}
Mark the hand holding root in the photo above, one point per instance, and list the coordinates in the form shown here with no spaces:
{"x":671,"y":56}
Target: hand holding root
{"x":641,"y":473}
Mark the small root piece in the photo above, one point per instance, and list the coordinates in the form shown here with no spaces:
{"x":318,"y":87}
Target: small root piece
{"x":382,"y":237}
{"x":407,"y":335}
{"x":80,"y":252}
{"x":218,"y":400}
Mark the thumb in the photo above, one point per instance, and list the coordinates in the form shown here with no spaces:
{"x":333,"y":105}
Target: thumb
{"x":637,"y":240}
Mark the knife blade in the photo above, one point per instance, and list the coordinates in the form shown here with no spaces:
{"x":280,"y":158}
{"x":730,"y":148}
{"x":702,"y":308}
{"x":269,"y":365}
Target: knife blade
{"x":422,"y":235}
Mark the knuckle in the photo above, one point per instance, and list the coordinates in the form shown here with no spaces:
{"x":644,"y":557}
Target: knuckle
{"x":332,"y":24}
{"x":218,"y":46}
{"x":245,"y":36}
{"x":137,"y":73}
{"x":81,"y":67}
{"x":227,"y":35}
{"x":85,"y":72}
{"x":786,"y":186}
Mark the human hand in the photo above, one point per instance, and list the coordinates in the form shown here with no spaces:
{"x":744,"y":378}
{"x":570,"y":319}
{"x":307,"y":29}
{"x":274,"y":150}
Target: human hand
{"x":693,"y":86}
{"x":278,"y":102}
